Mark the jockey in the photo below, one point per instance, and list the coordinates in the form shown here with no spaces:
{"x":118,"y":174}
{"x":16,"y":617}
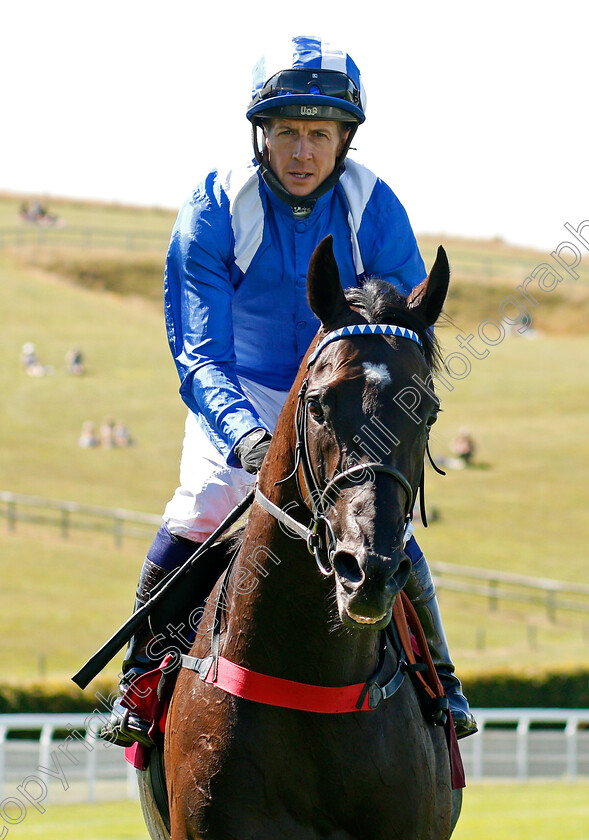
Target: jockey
{"x":238,"y":320}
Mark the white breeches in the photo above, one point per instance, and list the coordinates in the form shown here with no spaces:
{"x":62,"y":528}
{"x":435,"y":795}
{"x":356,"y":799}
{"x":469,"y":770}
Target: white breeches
{"x":209,"y":489}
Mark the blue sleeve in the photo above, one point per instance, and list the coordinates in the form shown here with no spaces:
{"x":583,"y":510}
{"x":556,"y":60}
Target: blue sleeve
{"x":387,"y":242}
{"x":198,"y":294}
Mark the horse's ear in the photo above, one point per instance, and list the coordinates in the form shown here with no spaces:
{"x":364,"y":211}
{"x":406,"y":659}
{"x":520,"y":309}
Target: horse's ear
{"x":324,"y":289}
{"x":428,"y":298}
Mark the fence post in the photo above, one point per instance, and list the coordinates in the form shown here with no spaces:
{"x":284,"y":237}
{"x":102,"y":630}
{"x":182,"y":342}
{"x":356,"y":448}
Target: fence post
{"x":523,"y":727}
{"x":11,"y":515}
{"x":3,"y":731}
{"x":532,"y":634}
{"x":132,"y":786}
{"x":571,"y":742}
{"x":118,"y":530}
{"x":91,"y":770}
{"x":477,"y":749}
{"x":493,"y":599}
{"x":551,"y":604}
{"x":65,"y":523}
{"x":44,"y":748}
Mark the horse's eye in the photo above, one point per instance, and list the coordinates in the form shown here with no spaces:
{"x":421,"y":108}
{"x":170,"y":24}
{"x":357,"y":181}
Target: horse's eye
{"x":433,"y":416}
{"x":315,"y":409}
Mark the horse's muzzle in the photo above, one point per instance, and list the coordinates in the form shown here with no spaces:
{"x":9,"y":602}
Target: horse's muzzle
{"x":367,"y":586}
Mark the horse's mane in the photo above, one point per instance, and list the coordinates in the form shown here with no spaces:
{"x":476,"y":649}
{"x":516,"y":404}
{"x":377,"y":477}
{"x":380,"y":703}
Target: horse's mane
{"x":380,"y":303}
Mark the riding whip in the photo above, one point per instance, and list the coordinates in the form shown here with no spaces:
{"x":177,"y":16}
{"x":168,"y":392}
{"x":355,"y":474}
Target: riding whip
{"x":103,"y":656}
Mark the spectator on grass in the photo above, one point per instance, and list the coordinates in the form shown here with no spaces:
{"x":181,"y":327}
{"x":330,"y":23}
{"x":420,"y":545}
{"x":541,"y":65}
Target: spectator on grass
{"x":30,"y":362}
{"x":37,"y":213}
{"x":28,"y":356}
{"x":75,"y":361}
{"x":107,"y":433}
{"x":121,"y":435}
{"x":463,"y":446}
{"x":88,"y":438}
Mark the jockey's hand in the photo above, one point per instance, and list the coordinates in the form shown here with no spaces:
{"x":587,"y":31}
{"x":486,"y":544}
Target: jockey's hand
{"x":252,"y":449}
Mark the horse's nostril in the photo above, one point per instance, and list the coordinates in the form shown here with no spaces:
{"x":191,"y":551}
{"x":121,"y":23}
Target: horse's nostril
{"x":400,"y":577}
{"x":346,"y":566}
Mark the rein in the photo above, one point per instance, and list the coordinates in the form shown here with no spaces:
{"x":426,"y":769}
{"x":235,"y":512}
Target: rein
{"x":261,"y":688}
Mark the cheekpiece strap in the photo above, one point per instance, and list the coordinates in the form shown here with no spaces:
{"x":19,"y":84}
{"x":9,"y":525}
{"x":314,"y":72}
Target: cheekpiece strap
{"x":364,"y":329}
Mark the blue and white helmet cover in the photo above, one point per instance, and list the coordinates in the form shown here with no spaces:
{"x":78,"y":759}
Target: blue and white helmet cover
{"x":306,"y":53}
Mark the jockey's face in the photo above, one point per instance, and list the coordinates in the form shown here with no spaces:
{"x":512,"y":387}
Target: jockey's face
{"x":302,"y":153}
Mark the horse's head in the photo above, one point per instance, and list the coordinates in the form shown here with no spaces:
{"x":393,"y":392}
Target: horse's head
{"x":363,"y":420}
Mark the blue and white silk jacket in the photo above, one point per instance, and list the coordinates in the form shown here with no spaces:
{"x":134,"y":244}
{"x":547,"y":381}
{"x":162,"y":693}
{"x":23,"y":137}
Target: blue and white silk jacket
{"x":235,"y":284}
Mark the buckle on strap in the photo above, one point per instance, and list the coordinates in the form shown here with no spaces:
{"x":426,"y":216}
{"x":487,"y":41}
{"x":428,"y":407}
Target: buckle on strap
{"x":194,"y":663}
{"x":377,"y":693}
{"x":316,"y":544}
{"x":437,"y":711}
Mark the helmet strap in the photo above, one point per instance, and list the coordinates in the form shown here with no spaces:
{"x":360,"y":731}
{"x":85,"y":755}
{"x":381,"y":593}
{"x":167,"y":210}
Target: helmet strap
{"x":301,"y":205}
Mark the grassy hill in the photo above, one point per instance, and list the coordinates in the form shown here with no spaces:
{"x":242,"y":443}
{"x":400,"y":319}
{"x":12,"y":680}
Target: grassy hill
{"x":522,"y":508}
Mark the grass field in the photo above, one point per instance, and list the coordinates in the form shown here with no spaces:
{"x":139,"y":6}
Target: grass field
{"x":523,"y":508}
{"x":87,"y":216}
{"x":531,"y":811}
{"x":491,"y":811}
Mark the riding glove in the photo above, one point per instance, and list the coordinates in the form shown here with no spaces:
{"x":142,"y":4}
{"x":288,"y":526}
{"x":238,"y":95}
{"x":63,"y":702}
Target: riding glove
{"x":252,"y":449}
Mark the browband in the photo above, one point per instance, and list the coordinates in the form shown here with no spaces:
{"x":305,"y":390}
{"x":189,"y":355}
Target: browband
{"x":364,"y":329}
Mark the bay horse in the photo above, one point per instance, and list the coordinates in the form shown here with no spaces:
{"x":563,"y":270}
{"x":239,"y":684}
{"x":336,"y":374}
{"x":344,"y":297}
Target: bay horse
{"x":338,"y":484}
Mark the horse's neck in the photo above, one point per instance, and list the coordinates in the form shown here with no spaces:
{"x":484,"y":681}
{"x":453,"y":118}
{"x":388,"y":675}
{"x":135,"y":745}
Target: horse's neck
{"x":282,"y":614}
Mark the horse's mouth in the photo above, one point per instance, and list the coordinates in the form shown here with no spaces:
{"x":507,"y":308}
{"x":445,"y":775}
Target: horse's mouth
{"x":377,"y":622}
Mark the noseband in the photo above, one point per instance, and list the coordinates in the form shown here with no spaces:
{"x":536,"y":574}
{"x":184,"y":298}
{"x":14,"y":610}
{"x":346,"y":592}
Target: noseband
{"x":318,"y":496}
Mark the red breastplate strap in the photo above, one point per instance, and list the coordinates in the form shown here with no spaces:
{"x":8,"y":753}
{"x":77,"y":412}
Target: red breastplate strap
{"x":276,"y":691}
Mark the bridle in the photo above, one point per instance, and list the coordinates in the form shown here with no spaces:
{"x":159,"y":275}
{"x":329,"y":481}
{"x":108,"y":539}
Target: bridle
{"x":261,"y":688}
{"x":318,"y":497}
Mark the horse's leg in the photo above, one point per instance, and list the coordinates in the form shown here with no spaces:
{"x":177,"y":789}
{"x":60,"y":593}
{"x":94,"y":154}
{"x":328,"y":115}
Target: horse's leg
{"x":456,"y":808}
{"x":193,"y":750}
{"x":151,"y":810}
{"x":179,"y":829}
{"x":442,"y":823}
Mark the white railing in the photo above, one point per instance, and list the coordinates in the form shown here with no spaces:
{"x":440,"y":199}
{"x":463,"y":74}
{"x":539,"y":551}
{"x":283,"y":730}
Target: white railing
{"x":68,"y":516}
{"x":61,"y":758}
{"x":65,"y":762}
{"x":98,"y":238}
{"x":495,"y":586}
{"x":521,"y":743}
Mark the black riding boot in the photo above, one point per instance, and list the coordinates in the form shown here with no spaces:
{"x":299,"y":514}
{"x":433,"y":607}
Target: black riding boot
{"x":124,"y":727}
{"x":422,"y":594}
